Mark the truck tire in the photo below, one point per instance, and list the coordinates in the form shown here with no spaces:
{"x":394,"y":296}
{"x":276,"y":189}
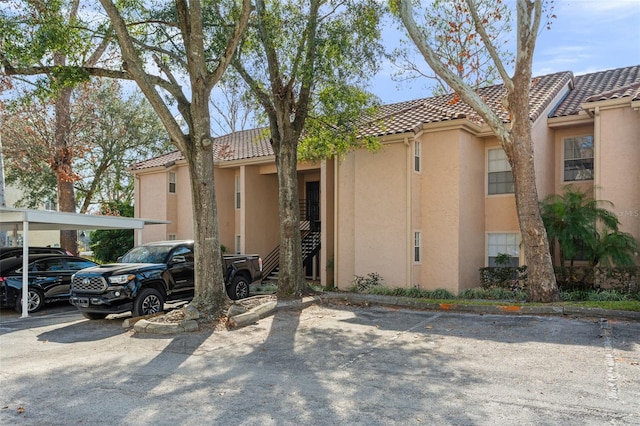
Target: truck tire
{"x":94,"y":315}
{"x":239,"y":288}
{"x":35,"y":301}
{"x":148,"y":301}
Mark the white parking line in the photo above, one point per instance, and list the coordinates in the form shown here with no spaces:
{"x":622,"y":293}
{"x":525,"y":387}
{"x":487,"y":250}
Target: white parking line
{"x":398,"y":334}
{"x":612,"y":375}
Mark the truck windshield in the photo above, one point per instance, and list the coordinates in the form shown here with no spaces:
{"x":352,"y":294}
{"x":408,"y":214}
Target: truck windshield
{"x":144,"y":254}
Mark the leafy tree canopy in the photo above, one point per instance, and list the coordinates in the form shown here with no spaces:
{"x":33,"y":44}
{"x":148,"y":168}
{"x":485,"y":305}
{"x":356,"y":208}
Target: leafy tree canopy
{"x":109,"y":244}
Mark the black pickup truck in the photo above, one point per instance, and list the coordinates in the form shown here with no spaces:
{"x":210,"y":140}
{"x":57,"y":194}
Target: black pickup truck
{"x":150,"y":274}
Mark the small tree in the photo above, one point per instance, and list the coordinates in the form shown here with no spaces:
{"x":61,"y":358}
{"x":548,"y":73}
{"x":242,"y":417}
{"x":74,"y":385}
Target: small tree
{"x":108,"y":244}
{"x":581,"y":227}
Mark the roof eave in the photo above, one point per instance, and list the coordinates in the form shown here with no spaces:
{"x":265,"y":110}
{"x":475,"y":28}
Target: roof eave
{"x":590,"y":107}
{"x":569,"y":120}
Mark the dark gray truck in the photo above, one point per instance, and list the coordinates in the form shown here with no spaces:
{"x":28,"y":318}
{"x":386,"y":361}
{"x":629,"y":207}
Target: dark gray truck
{"x":151,"y":274}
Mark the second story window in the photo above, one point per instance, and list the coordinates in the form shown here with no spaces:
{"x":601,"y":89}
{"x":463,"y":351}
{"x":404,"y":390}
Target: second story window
{"x":417,"y":244}
{"x":172,"y":183}
{"x":416,"y":156}
{"x":237,"y":192}
{"x":578,"y":158}
{"x":500,"y":178}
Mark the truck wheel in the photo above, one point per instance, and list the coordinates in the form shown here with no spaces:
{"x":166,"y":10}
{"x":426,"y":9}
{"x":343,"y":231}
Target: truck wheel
{"x":149,"y":301}
{"x":94,"y":315}
{"x":35,"y":301}
{"x":239,"y":288}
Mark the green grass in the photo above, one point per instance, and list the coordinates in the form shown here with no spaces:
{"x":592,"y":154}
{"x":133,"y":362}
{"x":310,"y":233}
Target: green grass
{"x":603,"y":299}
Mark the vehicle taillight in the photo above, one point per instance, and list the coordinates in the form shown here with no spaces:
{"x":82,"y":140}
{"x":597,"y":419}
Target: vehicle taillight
{"x":260,"y":263}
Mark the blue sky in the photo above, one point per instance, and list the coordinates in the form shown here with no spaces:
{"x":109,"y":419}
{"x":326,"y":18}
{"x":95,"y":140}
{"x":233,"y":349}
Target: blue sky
{"x":586,"y":36}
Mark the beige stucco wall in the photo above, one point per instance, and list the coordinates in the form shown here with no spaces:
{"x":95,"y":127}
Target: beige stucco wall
{"x":472,"y":204}
{"x":151,"y":203}
{"x":440,"y":205}
{"x":225,"y":199}
{"x":619,"y":173}
{"x":372,"y":223}
{"x":327,"y":218}
{"x":450,"y":196}
{"x":260,"y":211}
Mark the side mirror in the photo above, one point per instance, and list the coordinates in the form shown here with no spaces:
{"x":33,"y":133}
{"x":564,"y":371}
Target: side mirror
{"x":178,"y":259}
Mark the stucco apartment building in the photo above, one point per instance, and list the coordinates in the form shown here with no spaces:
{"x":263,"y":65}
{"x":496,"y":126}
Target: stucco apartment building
{"x":436,"y":203}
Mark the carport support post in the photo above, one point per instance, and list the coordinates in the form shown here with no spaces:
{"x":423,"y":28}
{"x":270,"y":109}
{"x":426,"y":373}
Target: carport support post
{"x":25,"y":269}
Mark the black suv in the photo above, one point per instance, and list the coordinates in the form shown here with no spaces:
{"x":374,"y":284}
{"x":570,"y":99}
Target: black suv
{"x":15,"y":251}
{"x":49,"y":277}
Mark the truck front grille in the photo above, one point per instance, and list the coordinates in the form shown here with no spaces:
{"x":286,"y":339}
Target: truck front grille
{"x":91,"y":284}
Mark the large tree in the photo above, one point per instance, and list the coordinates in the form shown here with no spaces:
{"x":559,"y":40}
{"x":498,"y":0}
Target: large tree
{"x":514,"y":137}
{"x":176,"y":52}
{"x":172,"y":35}
{"x":50,"y":34}
{"x":306,"y":64}
{"x":108,"y":131}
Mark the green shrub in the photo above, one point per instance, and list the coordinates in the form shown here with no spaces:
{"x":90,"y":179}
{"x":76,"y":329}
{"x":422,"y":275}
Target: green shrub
{"x":510,"y":277}
{"x":607,"y":296}
{"x":364,"y":284}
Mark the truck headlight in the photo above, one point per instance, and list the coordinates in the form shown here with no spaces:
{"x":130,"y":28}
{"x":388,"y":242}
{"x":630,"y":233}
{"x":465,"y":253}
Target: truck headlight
{"x":121,"y":279}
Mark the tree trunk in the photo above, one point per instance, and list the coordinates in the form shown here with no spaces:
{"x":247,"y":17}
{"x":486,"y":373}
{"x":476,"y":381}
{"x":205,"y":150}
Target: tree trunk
{"x":542,"y":287}
{"x":210,"y":295}
{"x":291,"y":281}
{"x":63,"y":167}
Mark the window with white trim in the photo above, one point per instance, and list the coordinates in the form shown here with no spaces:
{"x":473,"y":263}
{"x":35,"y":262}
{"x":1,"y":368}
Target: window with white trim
{"x":578,"y":158}
{"x":500,"y":178}
{"x":238,"y":248}
{"x":172,"y":183}
{"x":417,"y":149}
{"x":171,"y":237}
{"x":238,"y":192}
{"x":503,"y":243}
{"x":417,"y":244}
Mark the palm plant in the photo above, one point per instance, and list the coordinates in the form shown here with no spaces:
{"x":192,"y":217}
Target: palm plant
{"x":579,"y":224}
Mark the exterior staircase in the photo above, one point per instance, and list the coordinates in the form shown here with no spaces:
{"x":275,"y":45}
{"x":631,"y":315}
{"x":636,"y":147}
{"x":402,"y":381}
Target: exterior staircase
{"x":310,"y":248}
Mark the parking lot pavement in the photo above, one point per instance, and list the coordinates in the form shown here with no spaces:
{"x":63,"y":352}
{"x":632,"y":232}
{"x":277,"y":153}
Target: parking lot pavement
{"x":326,"y":364}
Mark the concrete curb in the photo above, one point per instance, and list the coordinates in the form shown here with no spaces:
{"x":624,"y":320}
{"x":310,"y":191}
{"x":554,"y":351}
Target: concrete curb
{"x":144,"y":325}
{"x":498,"y":308}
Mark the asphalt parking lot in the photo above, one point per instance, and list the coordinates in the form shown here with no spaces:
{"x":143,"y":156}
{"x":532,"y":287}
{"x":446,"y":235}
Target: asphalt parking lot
{"x":326,"y":364}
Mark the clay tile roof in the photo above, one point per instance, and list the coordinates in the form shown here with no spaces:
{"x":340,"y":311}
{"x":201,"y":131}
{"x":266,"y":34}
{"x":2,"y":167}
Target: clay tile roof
{"x":631,"y":91}
{"x":406,"y":116}
{"x":240,"y":145}
{"x":598,"y":86}
{"x":166,"y":160}
{"x":253,"y":143}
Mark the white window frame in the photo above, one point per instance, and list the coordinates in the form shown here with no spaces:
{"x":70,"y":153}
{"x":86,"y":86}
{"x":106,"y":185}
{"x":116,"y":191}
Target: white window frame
{"x":497,"y":162}
{"x":417,"y":246}
{"x":238,"y":242}
{"x":503,"y":242}
{"x":173,"y":182}
{"x":238,"y":193}
{"x":573,"y":158}
{"x":417,"y":156}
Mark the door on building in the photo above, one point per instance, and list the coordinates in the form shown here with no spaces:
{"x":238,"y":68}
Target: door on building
{"x":313,"y":205}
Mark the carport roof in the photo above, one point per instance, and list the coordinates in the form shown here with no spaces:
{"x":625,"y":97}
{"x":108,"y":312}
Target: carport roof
{"x":40,"y":220}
